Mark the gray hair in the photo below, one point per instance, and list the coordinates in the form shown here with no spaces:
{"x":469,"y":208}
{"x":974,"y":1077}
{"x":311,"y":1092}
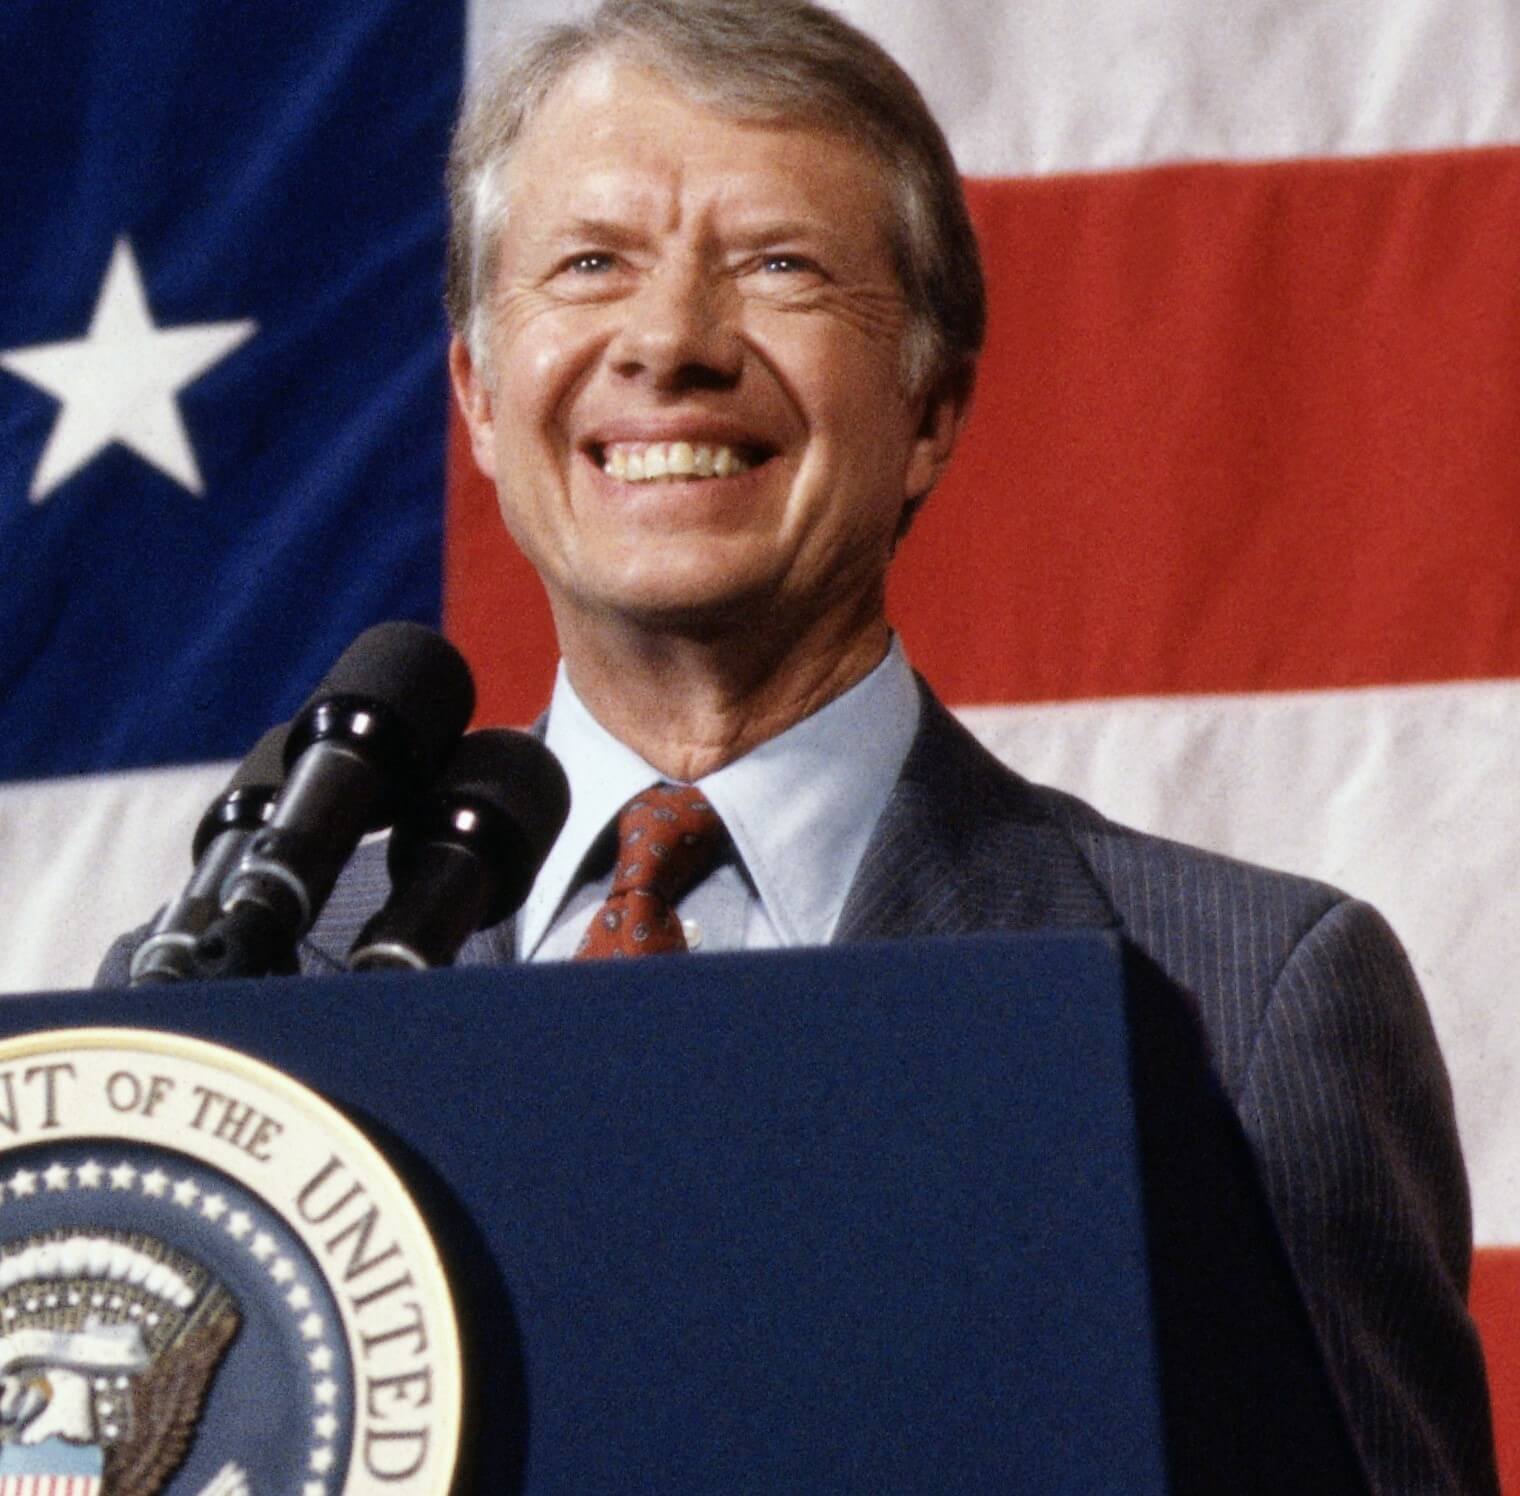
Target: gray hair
{"x":752,"y":59}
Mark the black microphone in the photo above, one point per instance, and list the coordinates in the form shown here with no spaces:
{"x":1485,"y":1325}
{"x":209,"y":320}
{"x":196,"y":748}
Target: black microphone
{"x":229,"y":824}
{"x":372,"y":735}
{"x":469,"y":852}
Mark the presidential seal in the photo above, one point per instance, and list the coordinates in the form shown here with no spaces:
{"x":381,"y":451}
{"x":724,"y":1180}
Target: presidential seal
{"x":211,"y":1284}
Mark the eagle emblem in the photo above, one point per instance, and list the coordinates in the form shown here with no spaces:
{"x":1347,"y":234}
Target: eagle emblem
{"x":109,"y":1342}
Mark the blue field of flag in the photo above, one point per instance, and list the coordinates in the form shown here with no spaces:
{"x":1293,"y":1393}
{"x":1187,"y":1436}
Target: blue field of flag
{"x":222,"y":371}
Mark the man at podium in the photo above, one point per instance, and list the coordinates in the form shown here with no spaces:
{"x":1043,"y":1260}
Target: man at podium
{"x":717,"y":309}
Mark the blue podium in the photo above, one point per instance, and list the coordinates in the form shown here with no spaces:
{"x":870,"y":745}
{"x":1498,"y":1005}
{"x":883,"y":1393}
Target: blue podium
{"x":929,"y":1216}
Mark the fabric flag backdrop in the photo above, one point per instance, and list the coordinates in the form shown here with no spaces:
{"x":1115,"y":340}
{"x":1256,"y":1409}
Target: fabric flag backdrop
{"x":1233,"y":547}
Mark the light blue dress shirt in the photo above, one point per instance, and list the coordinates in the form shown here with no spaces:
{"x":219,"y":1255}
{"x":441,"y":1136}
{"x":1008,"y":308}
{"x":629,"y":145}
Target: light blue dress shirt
{"x":799,"y":810}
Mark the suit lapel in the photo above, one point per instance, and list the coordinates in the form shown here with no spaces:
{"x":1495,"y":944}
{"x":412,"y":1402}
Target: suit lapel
{"x":963,"y":846}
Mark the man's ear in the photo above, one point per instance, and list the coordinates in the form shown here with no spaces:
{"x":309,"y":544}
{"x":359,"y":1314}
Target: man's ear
{"x":945,"y":408}
{"x":477,"y":404}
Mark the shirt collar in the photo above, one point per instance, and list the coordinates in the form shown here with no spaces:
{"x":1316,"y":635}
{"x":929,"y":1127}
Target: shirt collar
{"x":799,"y":808}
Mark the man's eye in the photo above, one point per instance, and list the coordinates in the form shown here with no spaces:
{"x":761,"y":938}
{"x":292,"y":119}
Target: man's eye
{"x":778,"y":264}
{"x":590,"y":263}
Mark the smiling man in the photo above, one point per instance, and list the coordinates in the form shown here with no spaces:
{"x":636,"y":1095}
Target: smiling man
{"x":688,"y":380}
{"x":717,"y":307}
{"x":694,"y":372}
{"x":717,"y":303}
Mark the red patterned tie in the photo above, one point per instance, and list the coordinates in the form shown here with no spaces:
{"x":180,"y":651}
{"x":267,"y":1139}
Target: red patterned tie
{"x":667,"y":838}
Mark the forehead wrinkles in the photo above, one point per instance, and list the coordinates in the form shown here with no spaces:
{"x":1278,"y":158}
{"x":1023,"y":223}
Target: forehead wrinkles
{"x":609,"y":204}
{"x":618,"y":193}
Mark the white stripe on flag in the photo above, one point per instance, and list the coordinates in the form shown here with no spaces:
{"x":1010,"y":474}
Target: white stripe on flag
{"x":84,"y":858}
{"x":1046,"y":86}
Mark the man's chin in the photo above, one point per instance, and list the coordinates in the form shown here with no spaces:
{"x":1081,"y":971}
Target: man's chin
{"x":698,"y":606}
{"x":694,"y":616}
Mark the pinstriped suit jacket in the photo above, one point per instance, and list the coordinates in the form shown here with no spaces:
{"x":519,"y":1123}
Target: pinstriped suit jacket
{"x":1316,"y":1027}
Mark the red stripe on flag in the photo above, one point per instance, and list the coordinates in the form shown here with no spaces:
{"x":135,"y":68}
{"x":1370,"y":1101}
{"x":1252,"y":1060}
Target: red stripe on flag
{"x":493,"y":606}
{"x":1238,"y":428}
{"x":1495,"y":1300}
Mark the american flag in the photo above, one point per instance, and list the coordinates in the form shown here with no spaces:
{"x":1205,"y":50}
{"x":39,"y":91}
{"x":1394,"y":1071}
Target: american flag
{"x":1232,"y":548}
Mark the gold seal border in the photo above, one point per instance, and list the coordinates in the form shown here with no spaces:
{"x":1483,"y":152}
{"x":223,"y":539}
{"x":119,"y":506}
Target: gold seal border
{"x":370,"y":1165}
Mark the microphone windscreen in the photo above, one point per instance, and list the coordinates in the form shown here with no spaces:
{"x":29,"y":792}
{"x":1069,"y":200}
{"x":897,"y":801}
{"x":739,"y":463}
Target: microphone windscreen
{"x":518,"y":798}
{"x":256,"y":779}
{"x":514,"y":772}
{"x":415,"y":674}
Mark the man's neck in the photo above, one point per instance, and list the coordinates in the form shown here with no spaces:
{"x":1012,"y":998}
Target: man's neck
{"x":689,"y":706}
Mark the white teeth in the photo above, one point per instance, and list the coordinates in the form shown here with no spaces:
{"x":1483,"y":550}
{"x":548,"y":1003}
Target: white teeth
{"x":637,"y":462}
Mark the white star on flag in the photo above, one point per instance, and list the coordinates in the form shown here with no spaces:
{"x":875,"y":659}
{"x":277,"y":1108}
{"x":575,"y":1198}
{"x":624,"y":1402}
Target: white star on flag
{"x":119,"y":381}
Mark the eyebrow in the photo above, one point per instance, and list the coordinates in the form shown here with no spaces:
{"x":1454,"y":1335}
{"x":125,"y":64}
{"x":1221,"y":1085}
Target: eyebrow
{"x":764,"y":231}
{"x":596,"y":230}
{"x":602,"y":230}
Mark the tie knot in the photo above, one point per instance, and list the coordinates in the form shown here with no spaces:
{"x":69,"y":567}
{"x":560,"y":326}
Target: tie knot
{"x":668,"y":836}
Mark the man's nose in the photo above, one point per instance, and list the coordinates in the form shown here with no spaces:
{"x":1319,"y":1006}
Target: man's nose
{"x":677,"y":330}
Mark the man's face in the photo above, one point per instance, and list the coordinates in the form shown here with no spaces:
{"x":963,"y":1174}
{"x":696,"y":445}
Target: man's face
{"x":694,"y":412}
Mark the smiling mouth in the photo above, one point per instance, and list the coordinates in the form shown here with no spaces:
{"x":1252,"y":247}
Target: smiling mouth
{"x":652,"y":462}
